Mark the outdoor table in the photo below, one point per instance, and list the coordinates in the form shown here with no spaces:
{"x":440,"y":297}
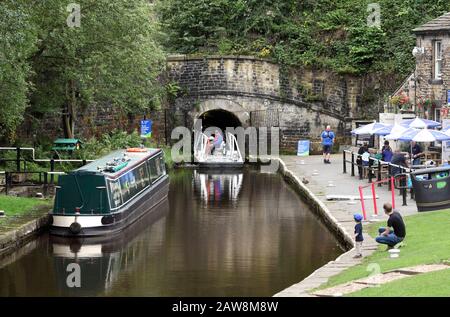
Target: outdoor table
{"x":432,"y":155}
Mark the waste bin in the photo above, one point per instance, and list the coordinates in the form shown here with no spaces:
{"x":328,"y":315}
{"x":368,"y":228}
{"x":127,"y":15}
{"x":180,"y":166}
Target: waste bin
{"x":432,"y":188}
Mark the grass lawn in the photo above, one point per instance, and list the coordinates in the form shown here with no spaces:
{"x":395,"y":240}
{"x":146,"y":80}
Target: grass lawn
{"x":18,"y":206}
{"x":427,"y":239}
{"x":428,"y":284}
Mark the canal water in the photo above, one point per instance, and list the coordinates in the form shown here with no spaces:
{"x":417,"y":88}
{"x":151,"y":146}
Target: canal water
{"x":237,"y":234}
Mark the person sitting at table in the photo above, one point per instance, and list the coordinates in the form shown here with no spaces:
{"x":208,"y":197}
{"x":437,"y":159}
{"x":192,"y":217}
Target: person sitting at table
{"x":399,"y":159}
{"x":416,"y":153}
{"x":386,"y":152}
{"x":363,"y":149}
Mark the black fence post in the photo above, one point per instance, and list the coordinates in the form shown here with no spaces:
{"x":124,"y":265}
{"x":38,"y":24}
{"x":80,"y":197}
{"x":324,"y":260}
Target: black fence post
{"x":84,"y":162}
{"x":45,"y":184}
{"x":404,"y":183}
{"x":389,"y":176}
{"x":6,"y":182}
{"x":52,"y":169}
{"x":165,"y":127}
{"x":18,"y":159}
{"x":379,"y":173}
{"x":353,"y":164}
{"x":344,"y":163}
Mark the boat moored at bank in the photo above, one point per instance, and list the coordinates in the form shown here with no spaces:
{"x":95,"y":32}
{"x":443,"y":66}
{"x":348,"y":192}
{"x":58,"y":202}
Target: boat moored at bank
{"x":110,"y":193}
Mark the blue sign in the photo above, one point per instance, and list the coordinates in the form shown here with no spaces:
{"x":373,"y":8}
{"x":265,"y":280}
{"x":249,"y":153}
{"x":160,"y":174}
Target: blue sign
{"x":448,"y":97}
{"x":146,"y":128}
{"x":303,"y":148}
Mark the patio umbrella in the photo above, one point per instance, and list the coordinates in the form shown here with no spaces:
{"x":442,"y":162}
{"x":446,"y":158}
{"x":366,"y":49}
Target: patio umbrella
{"x":424,"y":135}
{"x":398,"y":133}
{"x":420,"y":123}
{"x":393,"y":129}
{"x":369,"y":128}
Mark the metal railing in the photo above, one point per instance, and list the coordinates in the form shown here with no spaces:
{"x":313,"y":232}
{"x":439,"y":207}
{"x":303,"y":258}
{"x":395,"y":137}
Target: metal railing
{"x":46,"y":178}
{"x":375,"y":166}
{"x":202,"y":148}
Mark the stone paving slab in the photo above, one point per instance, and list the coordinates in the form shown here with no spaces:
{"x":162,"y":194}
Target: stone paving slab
{"x":379,"y":279}
{"x":317,"y":175}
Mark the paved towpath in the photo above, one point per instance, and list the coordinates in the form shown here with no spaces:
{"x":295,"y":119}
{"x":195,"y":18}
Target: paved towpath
{"x":318,"y":176}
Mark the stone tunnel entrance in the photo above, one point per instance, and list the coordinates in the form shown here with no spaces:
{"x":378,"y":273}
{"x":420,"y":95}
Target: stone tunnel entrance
{"x":219,"y":118}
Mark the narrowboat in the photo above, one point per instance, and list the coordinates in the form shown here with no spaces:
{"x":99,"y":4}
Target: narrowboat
{"x":107,"y":195}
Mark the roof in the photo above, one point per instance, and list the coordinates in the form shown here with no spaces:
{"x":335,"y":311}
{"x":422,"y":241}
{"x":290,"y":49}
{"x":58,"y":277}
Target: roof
{"x":135,"y":159}
{"x":440,"y":24}
{"x":66,"y":141}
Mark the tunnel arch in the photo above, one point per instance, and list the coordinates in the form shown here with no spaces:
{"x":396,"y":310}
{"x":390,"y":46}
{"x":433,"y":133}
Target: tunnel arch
{"x":219,"y":118}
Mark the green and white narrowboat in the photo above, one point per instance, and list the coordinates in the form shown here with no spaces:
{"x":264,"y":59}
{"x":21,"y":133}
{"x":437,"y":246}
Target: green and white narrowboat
{"x":110,"y":193}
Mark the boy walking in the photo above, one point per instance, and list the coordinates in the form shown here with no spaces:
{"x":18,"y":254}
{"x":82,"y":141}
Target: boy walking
{"x":358,"y":235}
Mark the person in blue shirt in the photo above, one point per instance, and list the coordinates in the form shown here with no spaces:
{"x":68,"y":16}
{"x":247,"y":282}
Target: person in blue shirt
{"x":218,"y":139}
{"x":358,"y":235}
{"x":386,"y":152}
{"x":327,"y":137}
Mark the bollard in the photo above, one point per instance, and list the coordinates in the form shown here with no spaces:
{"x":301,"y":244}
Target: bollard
{"x":393,"y":191}
{"x":353,"y":164}
{"x":379,"y":173}
{"x":363,"y":207}
{"x":344,"y":163}
{"x":375,"y":208}
{"x":404,"y":182}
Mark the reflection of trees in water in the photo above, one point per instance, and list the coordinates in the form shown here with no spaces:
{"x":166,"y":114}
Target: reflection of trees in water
{"x":39,"y":268}
{"x":264,"y":240}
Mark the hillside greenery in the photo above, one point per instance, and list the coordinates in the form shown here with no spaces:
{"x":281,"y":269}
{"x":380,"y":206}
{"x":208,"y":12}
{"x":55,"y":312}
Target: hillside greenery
{"x":329,"y":34}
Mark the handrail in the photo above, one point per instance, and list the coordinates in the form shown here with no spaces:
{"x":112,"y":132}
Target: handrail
{"x":41,"y":160}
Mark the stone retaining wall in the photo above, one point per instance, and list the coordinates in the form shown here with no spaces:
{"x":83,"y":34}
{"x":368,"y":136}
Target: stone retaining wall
{"x":15,"y":239}
{"x":318,"y":207}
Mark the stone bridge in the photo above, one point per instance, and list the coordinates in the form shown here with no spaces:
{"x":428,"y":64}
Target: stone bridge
{"x":248,"y":91}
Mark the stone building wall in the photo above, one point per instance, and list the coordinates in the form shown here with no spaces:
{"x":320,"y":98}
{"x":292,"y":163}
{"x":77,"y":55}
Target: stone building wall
{"x":427,"y":87}
{"x":305,"y":100}
{"x":258,"y":92}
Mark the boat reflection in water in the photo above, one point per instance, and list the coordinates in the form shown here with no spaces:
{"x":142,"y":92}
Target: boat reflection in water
{"x":102,"y":260}
{"x":213,"y":187}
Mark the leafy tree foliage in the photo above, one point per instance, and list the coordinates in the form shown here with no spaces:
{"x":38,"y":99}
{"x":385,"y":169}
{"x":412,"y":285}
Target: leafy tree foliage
{"x":113,"y":57}
{"x":17,"y":42}
{"x":331,"y":34}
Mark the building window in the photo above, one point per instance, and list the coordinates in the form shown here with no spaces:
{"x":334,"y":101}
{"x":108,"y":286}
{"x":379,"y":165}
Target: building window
{"x":437,"y":60}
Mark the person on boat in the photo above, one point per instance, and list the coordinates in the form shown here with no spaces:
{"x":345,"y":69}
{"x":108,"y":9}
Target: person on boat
{"x":386,"y":152}
{"x":395,"y":231}
{"x":218,"y":140}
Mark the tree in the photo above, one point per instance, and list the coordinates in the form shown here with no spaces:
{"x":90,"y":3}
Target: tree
{"x":17,"y":43}
{"x":112,"y":57}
